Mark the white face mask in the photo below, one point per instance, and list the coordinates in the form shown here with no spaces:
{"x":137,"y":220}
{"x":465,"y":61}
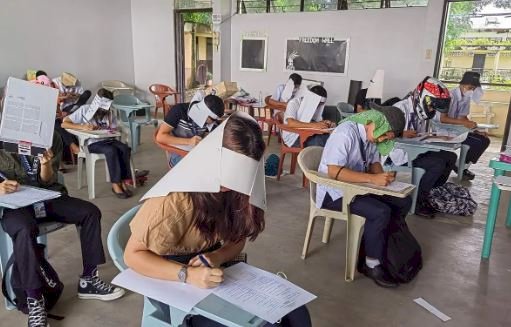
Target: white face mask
{"x":469,"y":93}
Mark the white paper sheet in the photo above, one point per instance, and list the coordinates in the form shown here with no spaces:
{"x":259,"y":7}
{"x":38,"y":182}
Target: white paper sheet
{"x":440,"y":315}
{"x":445,"y":138}
{"x":261,"y":293}
{"x":287,"y":93}
{"x":26,"y":196}
{"x":395,"y":186}
{"x":28,"y":113}
{"x":181,"y":296}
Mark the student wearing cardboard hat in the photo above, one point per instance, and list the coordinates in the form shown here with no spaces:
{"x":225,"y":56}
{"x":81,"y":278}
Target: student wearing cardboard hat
{"x":286,"y":92}
{"x":204,"y":209}
{"x":71,"y":91}
{"x":352,"y":154}
{"x":468,"y":90}
{"x":98,"y":115}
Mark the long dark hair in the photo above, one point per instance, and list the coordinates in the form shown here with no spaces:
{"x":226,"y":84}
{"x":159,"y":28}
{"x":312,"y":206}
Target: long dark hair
{"x":228,"y":216}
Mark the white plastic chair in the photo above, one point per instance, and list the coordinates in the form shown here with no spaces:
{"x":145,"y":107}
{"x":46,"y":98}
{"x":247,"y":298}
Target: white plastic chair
{"x":90,"y":160}
{"x":308,"y":160}
{"x":117,"y":87}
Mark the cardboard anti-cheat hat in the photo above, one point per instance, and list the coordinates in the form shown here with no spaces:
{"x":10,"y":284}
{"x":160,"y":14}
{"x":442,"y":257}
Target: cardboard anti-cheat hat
{"x":471,"y":78}
{"x":97,"y":103}
{"x":200,"y":112}
{"x":68,"y":79}
{"x":209,"y":166}
{"x":394,"y":117}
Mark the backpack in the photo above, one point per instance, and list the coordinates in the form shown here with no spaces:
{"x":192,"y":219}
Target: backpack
{"x":52,"y":286}
{"x":271,"y":165}
{"x":403,"y":258}
{"x":452,"y":199}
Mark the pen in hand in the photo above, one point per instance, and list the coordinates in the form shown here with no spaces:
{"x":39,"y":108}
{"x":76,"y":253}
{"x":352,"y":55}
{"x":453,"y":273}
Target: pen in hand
{"x":204,"y":261}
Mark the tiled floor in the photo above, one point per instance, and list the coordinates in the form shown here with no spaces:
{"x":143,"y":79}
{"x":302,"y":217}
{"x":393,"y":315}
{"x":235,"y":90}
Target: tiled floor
{"x":454,"y":279}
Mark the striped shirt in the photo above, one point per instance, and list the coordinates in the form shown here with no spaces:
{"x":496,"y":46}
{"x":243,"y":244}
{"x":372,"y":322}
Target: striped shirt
{"x":77,"y":89}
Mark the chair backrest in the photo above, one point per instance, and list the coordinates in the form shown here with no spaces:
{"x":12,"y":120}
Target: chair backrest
{"x":157,"y":89}
{"x":113,"y":84}
{"x":126,"y":100}
{"x":118,"y":238}
{"x":345,"y":107}
{"x":308,"y":160}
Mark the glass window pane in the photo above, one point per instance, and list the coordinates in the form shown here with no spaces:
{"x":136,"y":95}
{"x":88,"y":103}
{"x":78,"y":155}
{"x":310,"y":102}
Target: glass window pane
{"x":284,"y":5}
{"x":320,"y":5}
{"x":193,"y":4}
{"x":408,"y":3}
{"x":364,"y":4}
{"x":252,"y":6}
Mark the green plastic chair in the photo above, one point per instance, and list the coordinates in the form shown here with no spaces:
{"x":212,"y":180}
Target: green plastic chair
{"x":127,"y":106}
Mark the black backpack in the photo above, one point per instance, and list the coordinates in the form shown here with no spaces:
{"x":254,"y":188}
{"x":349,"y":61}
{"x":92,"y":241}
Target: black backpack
{"x":52,"y":286}
{"x":403,"y":258}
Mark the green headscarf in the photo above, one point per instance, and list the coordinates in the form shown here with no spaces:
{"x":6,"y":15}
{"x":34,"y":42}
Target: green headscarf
{"x":381,"y":126}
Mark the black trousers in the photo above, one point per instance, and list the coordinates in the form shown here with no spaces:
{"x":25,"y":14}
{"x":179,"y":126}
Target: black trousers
{"x":478,"y":144}
{"x":117,"y":156}
{"x":21,"y":225}
{"x":314,"y":140}
{"x":378,"y":210}
{"x":67,"y":138}
{"x":438,"y":167}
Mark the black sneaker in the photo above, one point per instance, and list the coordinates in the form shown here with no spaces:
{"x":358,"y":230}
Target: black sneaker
{"x":93,"y":288}
{"x":37,"y":316}
{"x":468,"y":175}
{"x":379,"y":276}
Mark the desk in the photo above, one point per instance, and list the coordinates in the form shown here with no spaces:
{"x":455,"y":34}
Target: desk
{"x":499,"y":168}
{"x":414,"y":148}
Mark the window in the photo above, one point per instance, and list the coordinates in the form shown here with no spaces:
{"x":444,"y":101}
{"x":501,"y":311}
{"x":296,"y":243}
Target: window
{"x":272,"y":6}
{"x":193,"y":4}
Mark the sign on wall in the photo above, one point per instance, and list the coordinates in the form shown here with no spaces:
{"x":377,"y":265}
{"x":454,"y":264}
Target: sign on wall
{"x":253,"y":53}
{"x":317,"y":54}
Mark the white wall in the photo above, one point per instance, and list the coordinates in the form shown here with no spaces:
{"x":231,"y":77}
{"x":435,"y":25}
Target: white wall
{"x":153,"y":42}
{"x":91,"y":39}
{"x":391,"y":39}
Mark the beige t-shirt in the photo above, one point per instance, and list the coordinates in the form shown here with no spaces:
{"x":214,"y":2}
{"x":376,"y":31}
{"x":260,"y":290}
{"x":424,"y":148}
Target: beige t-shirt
{"x":164,"y":226}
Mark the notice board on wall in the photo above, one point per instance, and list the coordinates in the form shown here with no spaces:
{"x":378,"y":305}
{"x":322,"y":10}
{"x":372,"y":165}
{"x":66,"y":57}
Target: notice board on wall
{"x":317,"y":54}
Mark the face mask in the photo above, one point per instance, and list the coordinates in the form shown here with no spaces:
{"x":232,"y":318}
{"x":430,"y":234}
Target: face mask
{"x":469,"y":93}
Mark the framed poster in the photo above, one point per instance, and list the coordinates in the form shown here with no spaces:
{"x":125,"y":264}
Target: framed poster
{"x":317,"y":54}
{"x":253,"y":54}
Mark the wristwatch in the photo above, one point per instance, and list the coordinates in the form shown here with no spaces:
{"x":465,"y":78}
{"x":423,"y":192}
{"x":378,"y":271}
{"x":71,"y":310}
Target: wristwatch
{"x":182,"y":274}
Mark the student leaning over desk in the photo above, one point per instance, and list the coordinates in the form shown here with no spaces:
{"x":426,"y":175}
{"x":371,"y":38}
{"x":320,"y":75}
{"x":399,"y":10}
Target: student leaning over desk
{"x":469,"y":89}
{"x":21,"y":225}
{"x":352,"y":154}
{"x":429,"y":97}
{"x":185,"y":218}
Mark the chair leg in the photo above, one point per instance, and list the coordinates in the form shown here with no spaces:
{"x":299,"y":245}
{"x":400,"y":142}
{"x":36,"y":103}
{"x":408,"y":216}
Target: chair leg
{"x":355,"y":228}
{"x":80,"y":172}
{"x":327,"y":230}
{"x":417,"y":174}
{"x":491,"y":218}
{"x":308,"y":234}
{"x":270,"y":130}
{"x":304,"y":181}
{"x":461,"y":161}
{"x":294,"y":159}
{"x":90,"y":171}
{"x":281,"y":164}
{"x":508,"y":219}
{"x":133,"y":176}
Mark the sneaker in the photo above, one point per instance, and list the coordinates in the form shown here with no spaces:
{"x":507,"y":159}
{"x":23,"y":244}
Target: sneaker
{"x":37,"y":316}
{"x":93,"y":288}
{"x":468,"y":175}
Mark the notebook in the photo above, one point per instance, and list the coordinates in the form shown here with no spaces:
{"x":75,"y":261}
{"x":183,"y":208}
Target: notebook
{"x":25,"y":196}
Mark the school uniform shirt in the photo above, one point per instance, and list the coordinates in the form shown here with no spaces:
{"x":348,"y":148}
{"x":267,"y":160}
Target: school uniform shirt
{"x":460,"y":104}
{"x":292,"y":112}
{"x":78,"y":117}
{"x":77,"y":89}
{"x":165,"y":226}
{"x":182,"y":124}
{"x":412,"y":123}
{"x":343,"y":149}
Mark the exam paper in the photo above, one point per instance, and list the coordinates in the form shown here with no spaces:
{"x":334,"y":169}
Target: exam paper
{"x":261,"y":293}
{"x":179,"y":295}
{"x":28,"y":113}
{"x":26,"y":196}
{"x":445,"y":138}
{"x":395,"y":186}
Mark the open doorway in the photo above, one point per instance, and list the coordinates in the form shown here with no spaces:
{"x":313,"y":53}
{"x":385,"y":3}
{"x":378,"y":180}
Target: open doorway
{"x":476,"y":36}
{"x":194,"y":50}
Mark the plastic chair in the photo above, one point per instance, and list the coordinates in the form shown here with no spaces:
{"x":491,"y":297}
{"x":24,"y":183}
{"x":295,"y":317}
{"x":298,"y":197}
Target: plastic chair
{"x":126,"y":106}
{"x":161,"y":92}
{"x":309,"y":160}
{"x":90,"y":160}
{"x":345,"y":109}
{"x":154,"y":313}
{"x":117,"y":87}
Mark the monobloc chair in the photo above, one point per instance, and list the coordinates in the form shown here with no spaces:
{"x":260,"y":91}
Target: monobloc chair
{"x":161,"y":92}
{"x":309,"y":160}
{"x":154,"y":315}
{"x":126,"y":106}
{"x":345,"y":109}
{"x":117,"y":87}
